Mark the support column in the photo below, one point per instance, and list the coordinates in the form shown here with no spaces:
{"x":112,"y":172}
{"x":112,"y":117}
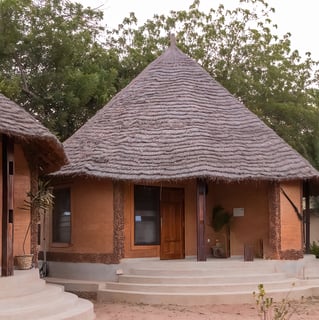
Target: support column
{"x":35,"y":214}
{"x":118,"y":223}
{"x":201,"y":217}
{"x":274,"y":221}
{"x":307,"y":217}
{"x":7,"y":206}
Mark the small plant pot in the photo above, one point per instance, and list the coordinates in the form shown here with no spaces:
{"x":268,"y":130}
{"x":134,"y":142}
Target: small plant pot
{"x":23,"y":262}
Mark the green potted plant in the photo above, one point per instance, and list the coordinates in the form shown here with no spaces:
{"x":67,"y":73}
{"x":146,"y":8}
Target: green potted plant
{"x":314,"y":249}
{"x":220,"y":218}
{"x":40,"y":201}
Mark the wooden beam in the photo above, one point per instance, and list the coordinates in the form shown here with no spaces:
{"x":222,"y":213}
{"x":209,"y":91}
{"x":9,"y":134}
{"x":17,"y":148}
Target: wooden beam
{"x":201,"y":218}
{"x":7,"y":206}
{"x":307,"y":217}
{"x":34,"y":211}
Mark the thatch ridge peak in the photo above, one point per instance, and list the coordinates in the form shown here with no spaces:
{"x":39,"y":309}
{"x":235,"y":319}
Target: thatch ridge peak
{"x":174,"y":121}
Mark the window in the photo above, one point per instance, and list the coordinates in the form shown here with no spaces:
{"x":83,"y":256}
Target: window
{"x":61,"y":216}
{"x":146,"y":215}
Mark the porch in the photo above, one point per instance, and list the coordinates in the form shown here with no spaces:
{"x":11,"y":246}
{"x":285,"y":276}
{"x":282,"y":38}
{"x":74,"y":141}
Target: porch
{"x":190,"y":282}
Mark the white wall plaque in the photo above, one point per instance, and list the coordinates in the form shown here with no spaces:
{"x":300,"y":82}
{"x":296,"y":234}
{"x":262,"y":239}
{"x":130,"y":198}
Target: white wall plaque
{"x":238,"y":212}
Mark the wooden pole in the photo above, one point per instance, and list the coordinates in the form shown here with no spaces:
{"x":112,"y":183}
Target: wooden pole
{"x":35,"y":216}
{"x":7,"y":206}
{"x":201,"y":218}
{"x":307,"y":217}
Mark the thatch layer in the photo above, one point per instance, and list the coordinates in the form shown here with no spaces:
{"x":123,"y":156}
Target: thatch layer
{"x":34,"y":137}
{"x":175,"y":122}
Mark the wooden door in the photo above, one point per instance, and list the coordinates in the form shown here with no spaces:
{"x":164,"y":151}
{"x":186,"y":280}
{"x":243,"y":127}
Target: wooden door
{"x":172,"y":224}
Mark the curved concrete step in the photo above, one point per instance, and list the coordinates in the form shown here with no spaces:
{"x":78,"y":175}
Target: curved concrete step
{"x":286,"y":284}
{"x":29,"y":297}
{"x":212,"y":282}
{"x":191,"y":264}
{"x":213,"y":270}
{"x":202,"y":279}
{"x":22,"y":283}
{"x":82,"y":310}
{"x":201,"y":298}
{"x":38,"y":309}
{"x":50,"y":292}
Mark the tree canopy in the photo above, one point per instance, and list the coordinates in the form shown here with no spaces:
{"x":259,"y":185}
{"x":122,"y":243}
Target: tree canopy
{"x":51,"y":61}
{"x":59,"y":62}
{"x":241,"y":50}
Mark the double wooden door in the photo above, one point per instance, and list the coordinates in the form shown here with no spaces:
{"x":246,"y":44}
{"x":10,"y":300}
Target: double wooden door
{"x":172,"y":224}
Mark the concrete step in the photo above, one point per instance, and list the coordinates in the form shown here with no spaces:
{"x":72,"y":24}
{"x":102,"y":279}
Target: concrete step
{"x":41,"y":308}
{"x":200,"y":298}
{"x":202,"y":279}
{"x":50,"y":292}
{"x":22,"y":283}
{"x":82,"y":310}
{"x":311,"y":270}
{"x":31,"y":298}
{"x":192,"y":262}
{"x":210,"y":269}
{"x":201,"y":288}
{"x":75,"y":285}
{"x":213,"y":282}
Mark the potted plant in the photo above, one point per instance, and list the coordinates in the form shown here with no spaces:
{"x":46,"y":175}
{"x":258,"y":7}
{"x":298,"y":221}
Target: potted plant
{"x":220,"y":219}
{"x":40,"y":201}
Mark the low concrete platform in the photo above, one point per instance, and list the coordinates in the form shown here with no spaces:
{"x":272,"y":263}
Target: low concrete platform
{"x":25,"y":296}
{"x":188,"y":282}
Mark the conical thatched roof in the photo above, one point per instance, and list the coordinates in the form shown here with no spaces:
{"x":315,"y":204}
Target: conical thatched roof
{"x":34,"y":137}
{"x":174,"y":122}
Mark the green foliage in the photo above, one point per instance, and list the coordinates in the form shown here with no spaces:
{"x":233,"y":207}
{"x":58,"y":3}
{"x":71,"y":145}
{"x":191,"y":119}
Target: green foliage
{"x":314,"y":249}
{"x":263,"y":302}
{"x":239,"y":49}
{"x":270,"y":310}
{"x":51,"y":62}
{"x":220,"y":218}
{"x":42,"y":199}
{"x":40,"y":202}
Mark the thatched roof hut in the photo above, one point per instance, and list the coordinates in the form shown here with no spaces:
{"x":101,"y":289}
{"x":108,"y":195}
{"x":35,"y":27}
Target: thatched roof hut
{"x":174,"y":122}
{"x":36,"y":139}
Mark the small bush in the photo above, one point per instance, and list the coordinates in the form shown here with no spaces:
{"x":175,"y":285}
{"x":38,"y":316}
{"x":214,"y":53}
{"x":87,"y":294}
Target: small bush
{"x":314,"y":249}
{"x":270,"y":310}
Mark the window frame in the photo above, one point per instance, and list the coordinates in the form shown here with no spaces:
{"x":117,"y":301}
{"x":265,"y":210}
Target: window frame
{"x":62,"y":243}
{"x":157,"y":218}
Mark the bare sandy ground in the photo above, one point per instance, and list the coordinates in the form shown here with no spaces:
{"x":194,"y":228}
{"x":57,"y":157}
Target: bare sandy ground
{"x":304,"y":310}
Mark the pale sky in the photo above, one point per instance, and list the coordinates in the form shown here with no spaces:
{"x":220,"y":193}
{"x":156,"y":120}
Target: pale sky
{"x":299,"y":17}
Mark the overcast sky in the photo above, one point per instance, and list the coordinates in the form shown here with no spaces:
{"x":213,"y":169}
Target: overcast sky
{"x":299,"y":17}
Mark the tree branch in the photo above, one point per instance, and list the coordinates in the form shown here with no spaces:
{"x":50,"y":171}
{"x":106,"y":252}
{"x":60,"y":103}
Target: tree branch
{"x":25,"y":87}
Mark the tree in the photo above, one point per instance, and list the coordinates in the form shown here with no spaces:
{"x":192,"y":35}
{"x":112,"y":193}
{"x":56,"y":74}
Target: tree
{"x":51,"y":61}
{"x":239,"y":49}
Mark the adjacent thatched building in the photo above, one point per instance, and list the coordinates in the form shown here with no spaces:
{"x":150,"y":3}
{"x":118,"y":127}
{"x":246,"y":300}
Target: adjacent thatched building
{"x":147,"y":171}
{"x":27,"y":149}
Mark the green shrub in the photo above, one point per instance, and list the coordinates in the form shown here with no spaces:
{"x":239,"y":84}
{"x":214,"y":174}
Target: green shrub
{"x":270,"y":310}
{"x":220,"y":218}
{"x":314,"y":249}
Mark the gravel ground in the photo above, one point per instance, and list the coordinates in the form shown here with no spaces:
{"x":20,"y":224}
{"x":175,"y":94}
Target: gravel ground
{"x":308,"y":309}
